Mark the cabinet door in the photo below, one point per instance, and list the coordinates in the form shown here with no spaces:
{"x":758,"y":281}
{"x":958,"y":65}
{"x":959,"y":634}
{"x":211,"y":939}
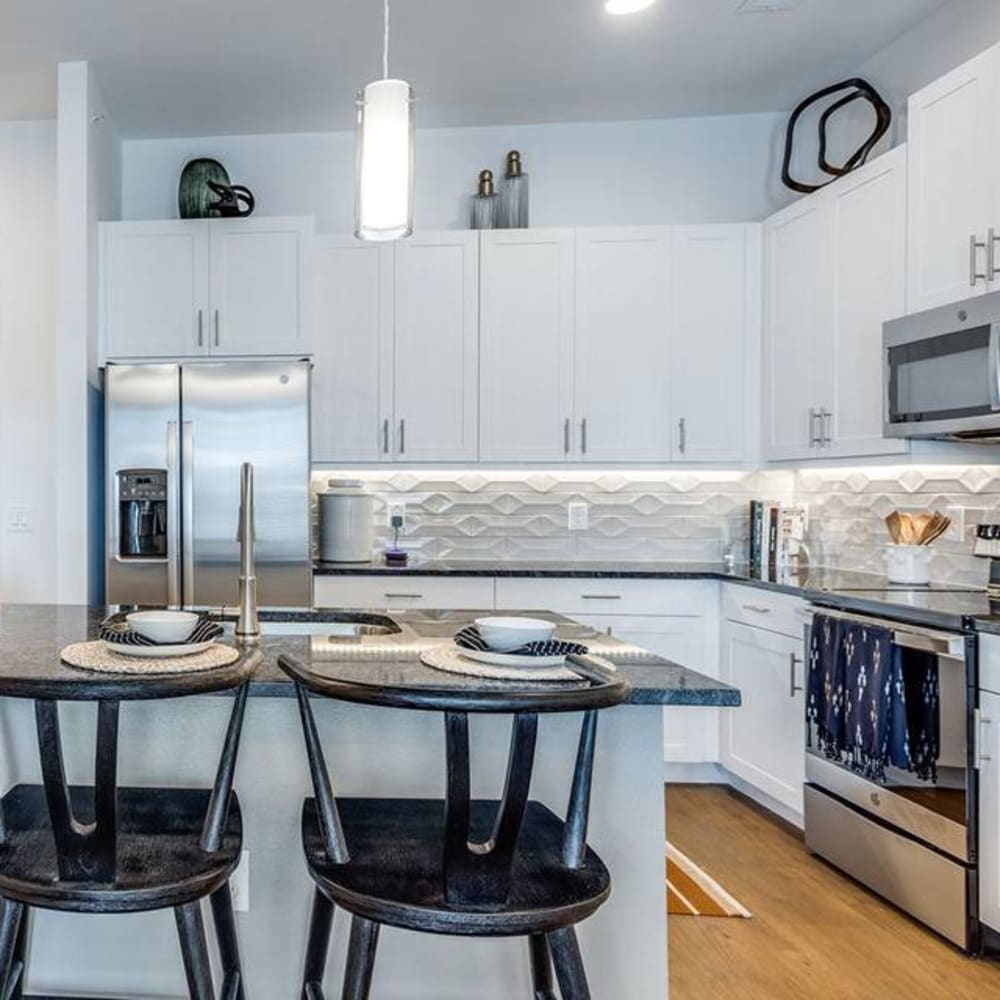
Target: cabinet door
{"x":526,"y":345}
{"x":261,"y":286}
{"x":763,"y":741}
{"x":437,"y":348}
{"x":868,"y":218}
{"x":622,"y":326}
{"x":708,"y":342}
{"x":154,"y":289}
{"x":989,"y":810}
{"x":952,"y":166}
{"x":796,"y":326}
{"x":352,"y":374}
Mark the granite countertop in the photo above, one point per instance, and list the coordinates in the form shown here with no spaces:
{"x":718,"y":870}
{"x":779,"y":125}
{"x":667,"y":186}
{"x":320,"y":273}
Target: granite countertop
{"x":937,"y":606}
{"x":32,"y":636}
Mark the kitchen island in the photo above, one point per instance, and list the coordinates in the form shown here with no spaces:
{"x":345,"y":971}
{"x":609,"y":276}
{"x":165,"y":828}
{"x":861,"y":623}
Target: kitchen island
{"x":370,"y":751}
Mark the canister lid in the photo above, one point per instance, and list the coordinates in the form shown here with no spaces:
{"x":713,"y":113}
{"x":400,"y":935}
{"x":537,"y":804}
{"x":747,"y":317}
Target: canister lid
{"x":345,"y":487}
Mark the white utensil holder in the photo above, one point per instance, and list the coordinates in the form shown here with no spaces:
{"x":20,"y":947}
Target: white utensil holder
{"x":909,"y":563}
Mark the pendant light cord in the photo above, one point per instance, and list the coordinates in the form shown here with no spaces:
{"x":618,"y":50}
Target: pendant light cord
{"x":385,"y":40}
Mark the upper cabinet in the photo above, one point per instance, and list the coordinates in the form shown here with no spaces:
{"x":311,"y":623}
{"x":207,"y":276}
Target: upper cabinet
{"x":954,"y":137}
{"x":190,"y":288}
{"x":397,"y":350}
{"x":834,"y":272}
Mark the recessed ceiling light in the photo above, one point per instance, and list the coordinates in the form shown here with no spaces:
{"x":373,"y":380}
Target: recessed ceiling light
{"x":627,"y":6}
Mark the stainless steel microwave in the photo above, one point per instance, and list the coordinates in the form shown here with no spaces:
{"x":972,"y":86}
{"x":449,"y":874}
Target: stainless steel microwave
{"x":942,"y":372}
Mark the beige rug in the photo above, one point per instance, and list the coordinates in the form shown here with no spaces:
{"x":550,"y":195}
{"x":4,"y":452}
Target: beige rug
{"x":691,"y":892}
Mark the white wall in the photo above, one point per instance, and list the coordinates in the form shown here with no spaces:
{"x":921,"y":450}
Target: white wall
{"x":676,"y":170}
{"x":27,"y":349}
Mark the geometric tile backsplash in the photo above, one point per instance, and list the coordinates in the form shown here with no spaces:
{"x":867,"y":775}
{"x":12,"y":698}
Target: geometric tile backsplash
{"x":691,"y":515}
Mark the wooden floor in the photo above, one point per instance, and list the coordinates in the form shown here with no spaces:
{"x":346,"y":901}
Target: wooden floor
{"x":814,"y":933}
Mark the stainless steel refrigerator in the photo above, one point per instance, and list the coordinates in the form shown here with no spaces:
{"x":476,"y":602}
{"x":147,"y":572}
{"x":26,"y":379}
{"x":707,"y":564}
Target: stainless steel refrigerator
{"x":176,"y":436}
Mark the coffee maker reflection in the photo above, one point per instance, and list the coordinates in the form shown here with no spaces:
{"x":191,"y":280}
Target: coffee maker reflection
{"x":142,"y":513}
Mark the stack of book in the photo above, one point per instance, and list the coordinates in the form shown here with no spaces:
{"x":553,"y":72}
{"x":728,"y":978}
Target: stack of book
{"x":776,"y":532}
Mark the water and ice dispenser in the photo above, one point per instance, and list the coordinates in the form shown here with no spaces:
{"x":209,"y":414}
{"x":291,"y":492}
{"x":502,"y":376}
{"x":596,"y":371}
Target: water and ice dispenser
{"x":142,"y":513}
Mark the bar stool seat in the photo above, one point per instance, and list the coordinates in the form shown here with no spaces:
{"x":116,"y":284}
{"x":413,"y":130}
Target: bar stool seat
{"x":159,"y":860}
{"x":396,"y":872}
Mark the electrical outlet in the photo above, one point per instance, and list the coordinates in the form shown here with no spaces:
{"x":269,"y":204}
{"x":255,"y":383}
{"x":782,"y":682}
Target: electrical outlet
{"x":239,"y":884}
{"x":18,"y":517}
{"x":394,"y":510}
{"x":578,"y":516}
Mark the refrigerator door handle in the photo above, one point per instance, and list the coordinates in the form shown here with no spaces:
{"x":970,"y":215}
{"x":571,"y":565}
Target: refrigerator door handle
{"x":173,"y":518}
{"x":187,"y":506}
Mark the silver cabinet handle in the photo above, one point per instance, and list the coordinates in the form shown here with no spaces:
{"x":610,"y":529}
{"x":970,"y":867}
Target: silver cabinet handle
{"x":994,"y":366}
{"x":385,"y":436}
{"x":978,"y":721}
{"x":173,"y":524}
{"x":814,"y":439}
{"x":974,"y":275}
{"x":825,"y":428}
{"x":758,"y":609}
{"x":404,"y":597}
{"x":601,"y":597}
{"x":682,"y":435}
{"x":187,"y":505}
{"x":402,"y":437}
{"x":216,"y":327}
{"x":583,"y":436}
{"x":201,"y":328}
{"x":793,"y":661}
{"x":991,"y":254}
{"x":566,"y":432}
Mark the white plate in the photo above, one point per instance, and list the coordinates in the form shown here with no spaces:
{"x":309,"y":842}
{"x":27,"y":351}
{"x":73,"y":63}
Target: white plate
{"x":512,"y":659}
{"x":159,"y":652}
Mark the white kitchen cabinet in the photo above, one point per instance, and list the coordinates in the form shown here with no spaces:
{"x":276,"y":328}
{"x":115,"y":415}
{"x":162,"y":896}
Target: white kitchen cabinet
{"x":714,"y":309}
{"x":763,"y":741}
{"x":526,"y":330}
{"x":833,"y":273}
{"x":261,"y":286}
{"x":989,"y":809}
{"x":352,"y":412}
{"x":622,"y":330}
{"x":154,"y":289}
{"x":386,"y":591}
{"x":954,"y":137}
{"x":436,"y":348}
{"x":196,"y":287}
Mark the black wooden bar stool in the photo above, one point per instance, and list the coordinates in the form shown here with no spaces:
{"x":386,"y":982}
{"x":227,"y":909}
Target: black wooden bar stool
{"x":111,"y":849}
{"x":457,"y":865}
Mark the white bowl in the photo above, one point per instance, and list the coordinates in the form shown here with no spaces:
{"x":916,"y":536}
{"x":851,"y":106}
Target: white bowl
{"x":163,"y":626}
{"x":505,"y":634}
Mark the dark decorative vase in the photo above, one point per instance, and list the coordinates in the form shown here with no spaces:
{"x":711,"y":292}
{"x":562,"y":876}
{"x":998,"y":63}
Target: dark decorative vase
{"x":205,"y":192}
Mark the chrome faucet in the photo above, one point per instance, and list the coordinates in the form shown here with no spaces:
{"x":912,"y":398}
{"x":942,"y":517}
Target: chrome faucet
{"x":247,"y":627}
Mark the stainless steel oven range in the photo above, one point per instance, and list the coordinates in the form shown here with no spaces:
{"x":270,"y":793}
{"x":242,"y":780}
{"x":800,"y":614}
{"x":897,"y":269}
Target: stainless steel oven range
{"x":912,"y":841}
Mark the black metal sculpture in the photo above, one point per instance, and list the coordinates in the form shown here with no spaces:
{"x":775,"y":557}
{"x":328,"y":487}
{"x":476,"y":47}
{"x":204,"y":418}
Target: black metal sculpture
{"x":859,"y":89}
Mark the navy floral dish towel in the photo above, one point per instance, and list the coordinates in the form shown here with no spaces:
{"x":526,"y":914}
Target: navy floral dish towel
{"x":873,"y":704}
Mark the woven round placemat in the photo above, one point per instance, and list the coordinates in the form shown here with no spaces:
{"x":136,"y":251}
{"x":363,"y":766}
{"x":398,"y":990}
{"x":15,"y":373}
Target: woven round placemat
{"x":449,"y":657}
{"x":95,"y":655}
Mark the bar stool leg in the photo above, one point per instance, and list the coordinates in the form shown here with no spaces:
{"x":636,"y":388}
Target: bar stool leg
{"x":10,"y":925}
{"x":541,"y":969}
{"x":320,"y":924}
{"x":19,"y":965}
{"x":569,"y":965}
{"x":360,"y":959}
{"x":194,"y":948}
{"x":229,"y":948}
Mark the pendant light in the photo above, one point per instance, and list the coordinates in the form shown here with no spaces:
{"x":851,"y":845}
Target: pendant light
{"x":383,"y":207}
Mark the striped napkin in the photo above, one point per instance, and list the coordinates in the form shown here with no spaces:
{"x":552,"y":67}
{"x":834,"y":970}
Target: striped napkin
{"x":118,"y":632}
{"x":468,"y":637}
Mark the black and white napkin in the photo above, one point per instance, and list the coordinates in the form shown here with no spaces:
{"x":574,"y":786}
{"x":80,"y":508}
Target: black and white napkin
{"x":118,"y":632}
{"x":468,"y":637}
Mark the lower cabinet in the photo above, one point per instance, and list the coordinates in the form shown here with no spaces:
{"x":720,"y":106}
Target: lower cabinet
{"x":404,"y":593}
{"x":989,"y":809}
{"x":763,"y":740}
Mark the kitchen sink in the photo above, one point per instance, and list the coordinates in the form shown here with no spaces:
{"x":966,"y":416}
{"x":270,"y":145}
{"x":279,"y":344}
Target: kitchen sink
{"x":344,"y":627}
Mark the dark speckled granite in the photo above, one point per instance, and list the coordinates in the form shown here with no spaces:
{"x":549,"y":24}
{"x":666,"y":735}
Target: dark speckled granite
{"x":32,"y":636}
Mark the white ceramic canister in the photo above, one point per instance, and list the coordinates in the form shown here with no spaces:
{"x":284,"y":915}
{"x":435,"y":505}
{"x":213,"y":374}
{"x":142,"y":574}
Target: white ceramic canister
{"x":909,"y":563}
{"x":346,"y":522}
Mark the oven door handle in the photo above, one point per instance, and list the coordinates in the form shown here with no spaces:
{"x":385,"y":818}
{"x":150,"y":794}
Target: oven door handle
{"x":994,"y":366}
{"x":929,"y":642}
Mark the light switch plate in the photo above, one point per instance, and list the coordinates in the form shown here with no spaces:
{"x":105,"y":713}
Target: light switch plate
{"x":578,"y":516}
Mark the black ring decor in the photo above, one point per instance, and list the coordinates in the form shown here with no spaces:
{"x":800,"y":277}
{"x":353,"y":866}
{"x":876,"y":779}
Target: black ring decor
{"x":859,"y":89}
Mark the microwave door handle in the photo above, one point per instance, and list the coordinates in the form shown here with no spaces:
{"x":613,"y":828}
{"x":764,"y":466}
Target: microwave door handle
{"x":995,"y":366}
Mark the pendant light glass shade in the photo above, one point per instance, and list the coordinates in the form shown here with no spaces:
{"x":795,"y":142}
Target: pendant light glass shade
{"x":384,"y":191}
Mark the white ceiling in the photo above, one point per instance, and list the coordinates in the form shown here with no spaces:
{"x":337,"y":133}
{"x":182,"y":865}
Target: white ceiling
{"x":200,"y":67}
